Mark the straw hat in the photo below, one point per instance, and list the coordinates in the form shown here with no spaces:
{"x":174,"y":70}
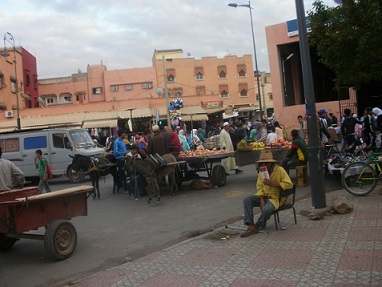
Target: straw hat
{"x":266,"y":156}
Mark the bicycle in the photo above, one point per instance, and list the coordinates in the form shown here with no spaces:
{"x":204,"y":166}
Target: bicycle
{"x":360,"y":178}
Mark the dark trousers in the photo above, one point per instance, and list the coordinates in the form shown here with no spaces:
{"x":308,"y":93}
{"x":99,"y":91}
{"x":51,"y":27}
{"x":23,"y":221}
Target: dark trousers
{"x":289,"y":163}
{"x":121,"y":171}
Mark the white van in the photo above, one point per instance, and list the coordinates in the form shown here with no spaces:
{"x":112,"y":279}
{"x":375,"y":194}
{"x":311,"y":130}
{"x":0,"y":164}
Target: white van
{"x":57,"y":146}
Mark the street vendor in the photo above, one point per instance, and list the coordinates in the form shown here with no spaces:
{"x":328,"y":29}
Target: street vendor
{"x":228,"y":163}
{"x":10,"y":175}
{"x":298,"y":154}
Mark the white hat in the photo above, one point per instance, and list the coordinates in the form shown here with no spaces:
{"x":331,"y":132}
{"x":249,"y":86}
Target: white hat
{"x":155,"y":128}
{"x":225,"y":124}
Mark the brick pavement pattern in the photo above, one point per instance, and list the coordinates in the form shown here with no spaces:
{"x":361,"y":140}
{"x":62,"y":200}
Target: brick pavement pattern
{"x":339,"y":250}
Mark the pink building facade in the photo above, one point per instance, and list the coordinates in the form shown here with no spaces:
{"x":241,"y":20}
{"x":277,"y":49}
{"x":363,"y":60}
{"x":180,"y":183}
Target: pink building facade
{"x":287,"y":79}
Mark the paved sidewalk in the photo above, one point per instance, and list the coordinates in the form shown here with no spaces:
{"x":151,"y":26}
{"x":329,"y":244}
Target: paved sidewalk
{"x":339,"y":250}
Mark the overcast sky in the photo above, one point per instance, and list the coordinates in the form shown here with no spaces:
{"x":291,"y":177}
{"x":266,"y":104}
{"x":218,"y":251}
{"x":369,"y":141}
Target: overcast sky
{"x":67,"y":35}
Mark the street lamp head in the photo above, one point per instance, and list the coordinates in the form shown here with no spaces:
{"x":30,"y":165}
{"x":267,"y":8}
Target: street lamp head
{"x":5,"y":53}
{"x":232,"y":5}
{"x":290,"y":56}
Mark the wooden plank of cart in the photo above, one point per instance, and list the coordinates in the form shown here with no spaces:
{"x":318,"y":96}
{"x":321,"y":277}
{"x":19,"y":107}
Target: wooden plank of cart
{"x":24,"y":210}
{"x":209,"y":163}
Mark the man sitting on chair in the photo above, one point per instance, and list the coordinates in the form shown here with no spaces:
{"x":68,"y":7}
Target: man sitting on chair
{"x":267,"y":196}
{"x":297,"y":155}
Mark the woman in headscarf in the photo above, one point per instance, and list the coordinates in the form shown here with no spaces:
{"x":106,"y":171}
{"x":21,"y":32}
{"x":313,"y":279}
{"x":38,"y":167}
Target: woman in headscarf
{"x":183,"y":140}
{"x":257,"y":125}
{"x":195,"y":139}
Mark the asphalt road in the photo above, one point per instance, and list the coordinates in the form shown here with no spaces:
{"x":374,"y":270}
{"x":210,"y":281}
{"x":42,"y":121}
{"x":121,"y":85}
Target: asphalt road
{"x":119,"y":229}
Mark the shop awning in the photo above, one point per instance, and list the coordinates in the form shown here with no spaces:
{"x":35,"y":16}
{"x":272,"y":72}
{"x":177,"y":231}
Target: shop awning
{"x":214,"y":110}
{"x":137,"y":113}
{"x":197,"y":117}
{"x":245,"y":109}
{"x":100,"y":123}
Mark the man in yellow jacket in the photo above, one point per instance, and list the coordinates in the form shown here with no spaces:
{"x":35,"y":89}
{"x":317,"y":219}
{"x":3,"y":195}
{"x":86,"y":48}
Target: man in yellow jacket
{"x":269,"y":184}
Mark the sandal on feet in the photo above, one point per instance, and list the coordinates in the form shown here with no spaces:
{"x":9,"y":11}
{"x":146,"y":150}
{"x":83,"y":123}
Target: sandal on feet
{"x":251,"y":230}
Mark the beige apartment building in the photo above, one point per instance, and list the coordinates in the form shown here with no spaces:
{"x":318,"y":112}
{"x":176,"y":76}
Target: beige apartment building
{"x":211,"y":88}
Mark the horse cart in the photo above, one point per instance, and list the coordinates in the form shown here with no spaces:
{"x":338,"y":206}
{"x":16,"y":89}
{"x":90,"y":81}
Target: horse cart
{"x":209,"y":163}
{"x":24,"y":210}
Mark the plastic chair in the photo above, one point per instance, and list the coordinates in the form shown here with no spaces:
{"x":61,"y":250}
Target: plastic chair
{"x":287,"y":205}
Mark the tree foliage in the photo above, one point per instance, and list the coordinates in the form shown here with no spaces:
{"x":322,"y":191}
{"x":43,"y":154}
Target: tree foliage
{"x":348,"y":39}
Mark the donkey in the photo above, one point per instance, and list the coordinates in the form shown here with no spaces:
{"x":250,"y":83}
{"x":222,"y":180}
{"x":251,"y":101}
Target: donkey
{"x":95,"y":167}
{"x":152,"y":174}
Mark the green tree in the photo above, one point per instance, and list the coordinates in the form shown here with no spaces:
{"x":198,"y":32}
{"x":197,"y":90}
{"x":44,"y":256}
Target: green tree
{"x":348,"y":39}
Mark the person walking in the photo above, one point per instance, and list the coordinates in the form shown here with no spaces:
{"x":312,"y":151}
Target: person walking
{"x":42,"y":167}
{"x":10,"y":175}
{"x":267,"y":196}
{"x":228,"y":163}
{"x":120,"y":152}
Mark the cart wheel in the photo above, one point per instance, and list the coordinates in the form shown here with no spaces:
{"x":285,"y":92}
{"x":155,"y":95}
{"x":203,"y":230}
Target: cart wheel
{"x":218,"y":176}
{"x":6,"y":243}
{"x":178,"y":177}
{"x":60,"y":239}
{"x":76,"y":176}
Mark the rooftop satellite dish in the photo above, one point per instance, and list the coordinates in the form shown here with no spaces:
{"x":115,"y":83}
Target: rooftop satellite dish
{"x":188,"y":54}
{"x":159,"y":91}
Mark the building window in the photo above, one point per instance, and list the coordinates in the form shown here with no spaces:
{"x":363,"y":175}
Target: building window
{"x":241,"y":70}
{"x":224,"y":95}
{"x":199,"y":76}
{"x":35,"y":82}
{"x":243,"y":93}
{"x":200,"y":90}
{"x":128,"y":87}
{"x":114,"y":88}
{"x":270,"y":96}
{"x":171,"y":78}
{"x":68,"y":99}
{"x":222,"y":71}
{"x":242,"y":74}
{"x":148,"y":85}
{"x":13,"y":85}
{"x":49,"y":100}
{"x":1,"y":81}
{"x":28,"y":80}
{"x":178,"y":94}
{"x":97,"y":91}
{"x":257,"y":97}
{"x":222,"y":75}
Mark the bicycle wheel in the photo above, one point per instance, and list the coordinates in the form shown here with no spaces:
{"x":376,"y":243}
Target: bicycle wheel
{"x":359,"y":179}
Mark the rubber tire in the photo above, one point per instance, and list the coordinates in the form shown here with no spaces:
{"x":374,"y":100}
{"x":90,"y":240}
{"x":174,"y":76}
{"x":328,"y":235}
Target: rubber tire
{"x":76,"y":177}
{"x":346,"y":179}
{"x":6,"y":243}
{"x":60,"y":239}
{"x":218,"y":176}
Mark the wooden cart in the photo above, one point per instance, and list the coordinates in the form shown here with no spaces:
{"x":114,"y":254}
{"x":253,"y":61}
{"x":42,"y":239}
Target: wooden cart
{"x":24,"y":210}
{"x":209,"y":163}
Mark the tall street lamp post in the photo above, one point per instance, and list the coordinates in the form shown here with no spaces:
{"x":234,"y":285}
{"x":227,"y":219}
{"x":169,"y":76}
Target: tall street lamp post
{"x":11,"y":40}
{"x":284,"y":77}
{"x":254,"y":51}
{"x":315,"y":160}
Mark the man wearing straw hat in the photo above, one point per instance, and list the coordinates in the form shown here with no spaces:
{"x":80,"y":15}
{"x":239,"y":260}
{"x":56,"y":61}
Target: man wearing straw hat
{"x":269,"y":183}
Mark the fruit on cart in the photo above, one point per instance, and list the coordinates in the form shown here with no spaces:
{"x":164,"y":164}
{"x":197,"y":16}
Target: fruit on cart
{"x":258,"y":145}
{"x":243,"y":145}
{"x":279,"y":144}
{"x":200,"y":152}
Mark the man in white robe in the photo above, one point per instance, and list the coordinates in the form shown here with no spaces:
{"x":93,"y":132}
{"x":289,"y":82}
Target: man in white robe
{"x":226,"y":143}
